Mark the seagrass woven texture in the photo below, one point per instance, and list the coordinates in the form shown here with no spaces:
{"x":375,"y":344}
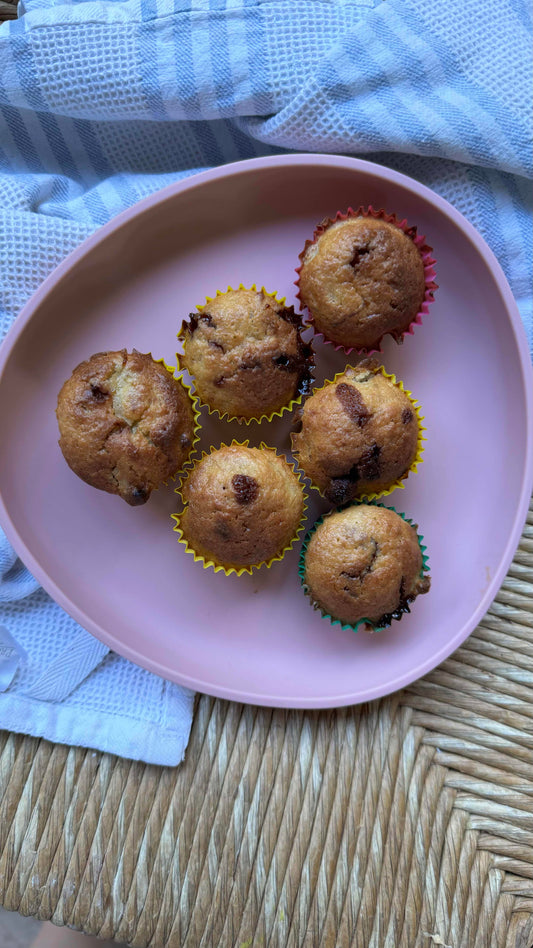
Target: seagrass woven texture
{"x":8,"y":10}
{"x":405,"y":823}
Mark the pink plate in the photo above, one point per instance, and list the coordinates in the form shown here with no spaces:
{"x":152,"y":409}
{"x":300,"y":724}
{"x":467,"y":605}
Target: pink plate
{"x":119,"y":570}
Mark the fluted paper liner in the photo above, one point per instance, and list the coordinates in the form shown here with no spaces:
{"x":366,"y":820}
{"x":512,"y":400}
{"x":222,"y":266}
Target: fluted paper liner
{"x":218,"y":566}
{"x":364,"y":622}
{"x":399,"y":482}
{"x":429,"y":274}
{"x":226,"y":416}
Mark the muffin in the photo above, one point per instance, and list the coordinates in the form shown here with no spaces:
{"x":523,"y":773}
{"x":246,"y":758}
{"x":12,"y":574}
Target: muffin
{"x":364,"y":563}
{"x":361,"y":278}
{"x":359,"y":434}
{"x":246,"y":355}
{"x":126,"y":423}
{"x":243,"y":507}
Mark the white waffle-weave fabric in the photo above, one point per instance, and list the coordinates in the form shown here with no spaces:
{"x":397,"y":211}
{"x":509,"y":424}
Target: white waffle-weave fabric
{"x":102,"y":103}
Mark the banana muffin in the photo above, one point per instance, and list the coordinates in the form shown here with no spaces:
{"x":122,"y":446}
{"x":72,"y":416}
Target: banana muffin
{"x":364,"y":562}
{"x":360,"y":279}
{"x":243,"y":506}
{"x":359,"y":434}
{"x":246,"y":355}
{"x":126,"y":423}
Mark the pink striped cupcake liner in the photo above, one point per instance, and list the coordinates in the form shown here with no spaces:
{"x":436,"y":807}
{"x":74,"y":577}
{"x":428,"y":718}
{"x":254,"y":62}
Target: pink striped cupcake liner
{"x":424,"y":249}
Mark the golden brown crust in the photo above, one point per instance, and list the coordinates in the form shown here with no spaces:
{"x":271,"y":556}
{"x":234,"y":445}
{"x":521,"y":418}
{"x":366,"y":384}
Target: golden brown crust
{"x":362,"y":278}
{"x":244,"y":505}
{"x":245,"y":353}
{"x":125,"y":423}
{"x":364,"y":562}
{"x":359,"y":434}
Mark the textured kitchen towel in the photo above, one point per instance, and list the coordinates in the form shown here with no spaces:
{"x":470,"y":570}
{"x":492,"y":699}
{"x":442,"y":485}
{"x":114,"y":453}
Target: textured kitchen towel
{"x":102,"y":103}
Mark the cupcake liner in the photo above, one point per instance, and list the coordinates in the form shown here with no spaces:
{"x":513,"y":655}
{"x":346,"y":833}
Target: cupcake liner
{"x":370,"y":626}
{"x":197,"y":427}
{"x":213,"y":562}
{"x":226,"y":416}
{"x":399,"y":482}
{"x":429,"y":273}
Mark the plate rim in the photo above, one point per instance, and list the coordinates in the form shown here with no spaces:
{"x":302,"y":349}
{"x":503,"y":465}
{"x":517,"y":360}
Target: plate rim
{"x":523,"y":496}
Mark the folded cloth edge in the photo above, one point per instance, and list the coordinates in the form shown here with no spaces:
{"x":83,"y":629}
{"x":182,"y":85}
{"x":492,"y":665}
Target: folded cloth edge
{"x":68,"y":725}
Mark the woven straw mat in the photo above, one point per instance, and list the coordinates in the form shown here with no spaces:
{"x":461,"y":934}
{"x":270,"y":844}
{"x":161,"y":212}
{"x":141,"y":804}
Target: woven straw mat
{"x":8,"y":10}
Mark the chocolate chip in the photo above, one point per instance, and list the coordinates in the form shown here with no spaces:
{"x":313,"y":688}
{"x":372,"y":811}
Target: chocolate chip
{"x":387,"y":618}
{"x":139,"y":495}
{"x":300,"y":363}
{"x":357,"y":254}
{"x":368,"y":463}
{"x":194,"y":318}
{"x":338,"y":490}
{"x":367,"y":468}
{"x":353,"y":404}
{"x":403,"y":607}
{"x":221,"y":380}
{"x":191,"y":326}
{"x":407,"y":416}
{"x":341,"y":488}
{"x":289,"y":316}
{"x":305,"y":382}
{"x":245,"y":488}
{"x":185,"y":441}
{"x":98,"y":394}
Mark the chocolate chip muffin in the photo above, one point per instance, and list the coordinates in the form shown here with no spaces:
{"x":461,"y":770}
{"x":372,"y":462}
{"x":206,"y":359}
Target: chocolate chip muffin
{"x":246,"y":355}
{"x":364,"y":562}
{"x":243,"y":507}
{"x":126,"y":423}
{"x":359,"y":434}
{"x":360,"y":279}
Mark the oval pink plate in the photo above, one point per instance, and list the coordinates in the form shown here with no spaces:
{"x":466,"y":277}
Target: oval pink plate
{"x":120,"y":572}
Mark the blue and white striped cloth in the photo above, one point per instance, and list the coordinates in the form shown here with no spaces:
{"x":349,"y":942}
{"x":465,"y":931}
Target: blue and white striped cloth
{"x":102,"y":103}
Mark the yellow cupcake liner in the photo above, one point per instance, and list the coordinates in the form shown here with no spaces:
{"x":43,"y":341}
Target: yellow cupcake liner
{"x":218,"y":566}
{"x":399,"y":482}
{"x":266,"y":416}
{"x":365,"y":624}
{"x":197,"y":427}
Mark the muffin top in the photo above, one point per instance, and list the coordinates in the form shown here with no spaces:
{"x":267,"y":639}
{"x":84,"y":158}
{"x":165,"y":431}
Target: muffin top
{"x":360,"y":279}
{"x":243,"y":505}
{"x":364,"y":562}
{"x":246,"y":354}
{"x":359,"y":434}
{"x":126,"y":423}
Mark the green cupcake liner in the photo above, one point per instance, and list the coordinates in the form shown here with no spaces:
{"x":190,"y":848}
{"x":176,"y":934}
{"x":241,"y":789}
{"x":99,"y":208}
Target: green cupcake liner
{"x":301,"y":566}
